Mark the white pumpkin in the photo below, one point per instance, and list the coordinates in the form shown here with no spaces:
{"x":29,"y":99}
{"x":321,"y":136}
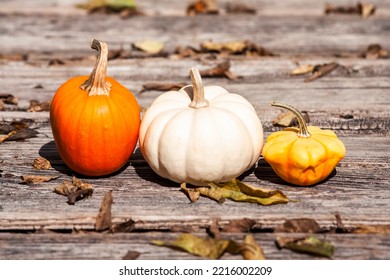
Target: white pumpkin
{"x":200,"y":134}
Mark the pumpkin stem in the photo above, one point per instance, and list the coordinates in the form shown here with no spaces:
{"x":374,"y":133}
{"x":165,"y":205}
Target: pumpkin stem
{"x":96,"y":83}
{"x":303,"y":131}
{"x":198,"y":100}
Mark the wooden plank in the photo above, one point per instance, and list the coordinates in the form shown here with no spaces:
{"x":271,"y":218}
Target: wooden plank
{"x":115,"y":246}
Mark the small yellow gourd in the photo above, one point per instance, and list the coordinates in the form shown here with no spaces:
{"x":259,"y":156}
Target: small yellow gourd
{"x":302,"y":156}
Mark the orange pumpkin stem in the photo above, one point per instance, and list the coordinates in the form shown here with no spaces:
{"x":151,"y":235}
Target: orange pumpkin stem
{"x":303,"y":131}
{"x":198,"y":100}
{"x":96,"y":83}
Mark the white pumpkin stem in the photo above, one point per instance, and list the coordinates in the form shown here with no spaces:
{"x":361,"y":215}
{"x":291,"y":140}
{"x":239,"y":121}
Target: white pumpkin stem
{"x":303,"y":131}
{"x":198,"y":100}
{"x":96,"y":83}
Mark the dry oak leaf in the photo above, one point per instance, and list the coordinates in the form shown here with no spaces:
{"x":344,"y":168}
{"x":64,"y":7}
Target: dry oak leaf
{"x":299,"y":225}
{"x":75,"y":190}
{"x":36,"y":179}
{"x":308,"y":245}
{"x":40,"y":163}
{"x":104,"y":220}
{"x":202,"y":7}
{"x":149,"y":46}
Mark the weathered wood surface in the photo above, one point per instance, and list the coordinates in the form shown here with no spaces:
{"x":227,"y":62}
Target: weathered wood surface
{"x":353,"y":101}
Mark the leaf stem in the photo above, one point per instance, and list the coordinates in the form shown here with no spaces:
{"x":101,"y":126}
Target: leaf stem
{"x":96,"y":83}
{"x":303,"y":131}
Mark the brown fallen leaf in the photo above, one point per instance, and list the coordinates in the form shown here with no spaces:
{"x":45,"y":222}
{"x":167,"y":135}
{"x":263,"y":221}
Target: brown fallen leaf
{"x":372,"y":229}
{"x":125,"y":8}
{"x":37,"y":106}
{"x":9,"y":99}
{"x":192,"y":194}
{"x":206,"y":247}
{"x":75,"y":190}
{"x":375,"y":51}
{"x":307,"y":245}
{"x":161,"y":86}
{"x":127,"y":226}
{"x":240,"y":225}
{"x":202,"y":7}
{"x":220,"y":70}
{"x":103,"y":220}
{"x":40,"y":163}
{"x":322,"y":70}
{"x":299,"y":225}
{"x":250,"y":250}
{"x":131,"y":255}
{"x":149,"y":46}
{"x":214,"y":229}
{"x":302,"y":70}
{"x":1,"y":105}
{"x":288,"y":119}
{"x":213,"y":193}
{"x":239,"y":8}
{"x":363,"y":9}
{"x":246,"y":47}
{"x":242,"y":192}
{"x":36,"y":179}
{"x":188,"y":51}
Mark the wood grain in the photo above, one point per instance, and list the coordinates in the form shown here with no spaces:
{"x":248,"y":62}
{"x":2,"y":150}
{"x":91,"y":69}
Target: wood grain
{"x":47,"y":42}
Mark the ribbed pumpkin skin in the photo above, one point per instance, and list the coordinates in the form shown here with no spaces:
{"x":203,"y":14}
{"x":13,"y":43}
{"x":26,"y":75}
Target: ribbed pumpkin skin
{"x":216,"y":143}
{"x":94,"y":135}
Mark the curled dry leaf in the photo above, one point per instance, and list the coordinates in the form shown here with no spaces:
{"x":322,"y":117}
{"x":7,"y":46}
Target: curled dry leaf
{"x":302,"y":70}
{"x":149,"y":46}
{"x":202,"y":7}
{"x":241,"y":225}
{"x":214,"y":248}
{"x":192,"y":194}
{"x":288,"y":119}
{"x":299,"y":225}
{"x":247,"y":48}
{"x":36,"y":179}
{"x":206,"y":247}
{"x":37,"y":106}
{"x":8,"y":99}
{"x":250,"y":249}
{"x":239,"y":8}
{"x":127,"y":226}
{"x":363,"y":9}
{"x":103,"y":220}
{"x":131,"y":255}
{"x":322,"y":70}
{"x":220,"y":70}
{"x":125,"y":8}
{"x":307,"y":245}
{"x":75,"y":190}
{"x":375,"y":51}
{"x":40,"y":163}
{"x":162,"y":87}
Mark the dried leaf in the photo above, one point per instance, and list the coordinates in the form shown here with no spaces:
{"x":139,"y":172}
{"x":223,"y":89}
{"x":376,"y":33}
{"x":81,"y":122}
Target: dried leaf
{"x":205,"y":247}
{"x":41,"y":163}
{"x":108,"y":6}
{"x":213,"y":229}
{"x":75,"y":190}
{"x":36,"y":106}
{"x":375,"y":51}
{"x":308,"y":245}
{"x":288,"y":119}
{"x":239,"y":8}
{"x":103,"y":220}
{"x":79,"y":194}
{"x":241,"y":225}
{"x":372,"y":229}
{"x":149,"y":46}
{"x":161,"y":86}
{"x":202,"y":7}
{"x":230,"y":47}
{"x":36,"y":179}
{"x":243,"y":192}
{"x":299,"y":225}
{"x":220,"y":70}
{"x":188,"y":51}
{"x":192,"y":194}
{"x":363,"y":9}
{"x":213,"y":193}
{"x":8,"y":99}
{"x":250,"y":250}
{"x":124,"y":227}
{"x":1,"y":105}
{"x":302,"y":70}
{"x":131,"y":255}
{"x":322,"y":70}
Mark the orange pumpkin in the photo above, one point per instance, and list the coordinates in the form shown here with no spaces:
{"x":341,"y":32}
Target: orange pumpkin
{"x":95,"y":120}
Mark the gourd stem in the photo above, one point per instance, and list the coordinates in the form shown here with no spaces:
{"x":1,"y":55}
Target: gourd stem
{"x":198,"y":100}
{"x":96,"y":83}
{"x":303,"y":131}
